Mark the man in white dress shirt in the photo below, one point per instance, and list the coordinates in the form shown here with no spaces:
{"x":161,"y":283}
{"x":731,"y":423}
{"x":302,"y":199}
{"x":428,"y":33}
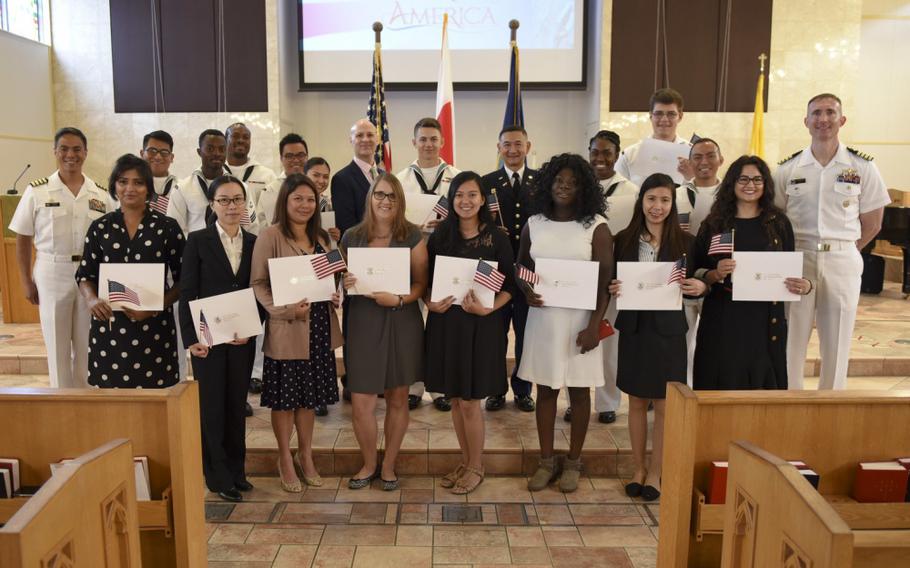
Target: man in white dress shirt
{"x":293,"y":153}
{"x":834,"y":196}
{"x":666,"y":113}
{"x":53,"y":216}
{"x":254,"y":175}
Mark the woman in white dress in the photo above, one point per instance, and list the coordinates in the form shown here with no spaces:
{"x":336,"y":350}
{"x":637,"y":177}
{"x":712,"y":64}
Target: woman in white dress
{"x":562,"y":345}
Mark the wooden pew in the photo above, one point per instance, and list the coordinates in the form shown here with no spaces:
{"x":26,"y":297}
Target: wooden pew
{"x":830,"y":430}
{"x":42,"y":426}
{"x":777,"y":518}
{"x":85,"y":515}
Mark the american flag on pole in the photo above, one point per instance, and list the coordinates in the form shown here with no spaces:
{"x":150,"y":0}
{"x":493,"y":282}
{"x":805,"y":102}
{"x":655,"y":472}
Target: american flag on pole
{"x":329,"y":263}
{"x":684,"y":221}
{"x":721,"y":244}
{"x":445,"y":98}
{"x":442,"y":207}
{"x":526,"y":274}
{"x":376,"y":112}
{"x":204,"y":330}
{"x":117,"y":292}
{"x":487,"y":276}
{"x":678,"y":272}
{"x":493,"y":202}
{"x":159,"y":204}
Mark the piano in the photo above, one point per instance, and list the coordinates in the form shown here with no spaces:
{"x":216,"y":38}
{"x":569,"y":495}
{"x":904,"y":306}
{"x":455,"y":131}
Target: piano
{"x":896,"y":230}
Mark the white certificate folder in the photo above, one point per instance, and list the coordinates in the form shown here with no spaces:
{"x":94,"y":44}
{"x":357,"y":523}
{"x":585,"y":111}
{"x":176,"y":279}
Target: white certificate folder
{"x":227,"y":315}
{"x":454,"y":276}
{"x":380,"y":270}
{"x":137,"y":286}
{"x":567,"y":283}
{"x":293,"y":279}
{"x":644,"y":287}
{"x":759,"y":276}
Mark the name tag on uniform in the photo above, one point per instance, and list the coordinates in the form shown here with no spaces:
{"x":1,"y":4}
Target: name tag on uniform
{"x":796,"y":181}
{"x":97,"y":205}
{"x":52,"y":204}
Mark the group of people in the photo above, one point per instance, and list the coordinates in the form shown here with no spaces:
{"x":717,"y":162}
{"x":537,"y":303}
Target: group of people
{"x":216,"y":231}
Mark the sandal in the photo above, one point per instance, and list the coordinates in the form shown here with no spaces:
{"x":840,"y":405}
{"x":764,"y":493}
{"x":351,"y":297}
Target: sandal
{"x":448,"y":480}
{"x":462,"y":487}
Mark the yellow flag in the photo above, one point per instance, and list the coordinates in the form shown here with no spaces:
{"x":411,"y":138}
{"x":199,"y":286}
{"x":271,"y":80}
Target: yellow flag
{"x":757,"y":141}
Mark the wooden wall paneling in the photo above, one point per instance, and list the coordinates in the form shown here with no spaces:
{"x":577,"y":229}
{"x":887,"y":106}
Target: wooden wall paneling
{"x":132,"y":56}
{"x":245,"y":73}
{"x":633,"y":50}
{"x":188,"y":44}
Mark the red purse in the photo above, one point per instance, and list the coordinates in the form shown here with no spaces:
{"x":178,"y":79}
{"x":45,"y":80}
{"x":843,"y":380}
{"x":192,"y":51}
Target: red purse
{"x":606,"y":330}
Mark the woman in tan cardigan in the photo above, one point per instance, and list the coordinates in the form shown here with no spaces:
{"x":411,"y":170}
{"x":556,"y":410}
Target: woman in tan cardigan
{"x":299,"y":367}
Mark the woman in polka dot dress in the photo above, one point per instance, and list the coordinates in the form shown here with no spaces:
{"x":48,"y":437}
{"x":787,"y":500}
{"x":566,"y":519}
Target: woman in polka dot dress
{"x":130,"y":348}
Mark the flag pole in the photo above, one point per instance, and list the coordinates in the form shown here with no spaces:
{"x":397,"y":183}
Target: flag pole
{"x":498,"y":211}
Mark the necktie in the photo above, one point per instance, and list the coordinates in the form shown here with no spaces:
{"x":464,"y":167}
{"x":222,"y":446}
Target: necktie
{"x":373,"y":173}
{"x":516,"y":181}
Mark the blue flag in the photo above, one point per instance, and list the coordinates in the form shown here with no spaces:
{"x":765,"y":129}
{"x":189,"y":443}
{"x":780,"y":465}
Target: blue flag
{"x":514,"y":111}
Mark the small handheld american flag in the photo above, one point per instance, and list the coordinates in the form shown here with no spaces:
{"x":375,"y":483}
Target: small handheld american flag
{"x":678,"y":272}
{"x":245,"y":217}
{"x":487,"y":276}
{"x":492,"y":203}
{"x":204,"y":330}
{"x":117,"y":292}
{"x":527,"y":275}
{"x":721,"y":244}
{"x":159,"y":204}
{"x":442,"y":207}
{"x":329,"y":263}
{"x":684,"y":221}
{"x":323,"y":203}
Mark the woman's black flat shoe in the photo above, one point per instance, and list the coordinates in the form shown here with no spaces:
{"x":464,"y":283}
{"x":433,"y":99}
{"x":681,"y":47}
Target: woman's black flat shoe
{"x":633,"y":489}
{"x":389,"y":485}
{"x":650,"y":493}
{"x":355,"y":483}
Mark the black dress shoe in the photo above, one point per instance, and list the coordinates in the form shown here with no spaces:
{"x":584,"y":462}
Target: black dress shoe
{"x":495,"y":403}
{"x":608,"y":417}
{"x":346,"y":394}
{"x":650,"y":493}
{"x":249,"y":410}
{"x":443,"y":403}
{"x":634,"y":489}
{"x":321,"y":410}
{"x":413,"y":401}
{"x":568,"y":415}
{"x":231,"y":495}
{"x":243,"y":485}
{"x":255,"y":385}
{"x":525,"y":403}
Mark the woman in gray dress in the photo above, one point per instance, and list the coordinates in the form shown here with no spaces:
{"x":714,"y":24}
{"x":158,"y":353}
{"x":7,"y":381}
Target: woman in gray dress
{"x":385,"y":333}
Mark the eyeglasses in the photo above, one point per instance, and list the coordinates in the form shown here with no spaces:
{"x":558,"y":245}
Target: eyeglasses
{"x":757,"y":181}
{"x":152,"y":152}
{"x":658,"y":114}
{"x":380,"y":195}
{"x":300,"y":156}
{"x":226,"y":201}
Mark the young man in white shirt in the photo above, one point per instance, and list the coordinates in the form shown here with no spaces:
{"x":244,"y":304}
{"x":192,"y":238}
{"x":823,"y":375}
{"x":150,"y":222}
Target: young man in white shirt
{"x":293,"y":153}
{"x":666,"y":113}
{"x":254,"y":175}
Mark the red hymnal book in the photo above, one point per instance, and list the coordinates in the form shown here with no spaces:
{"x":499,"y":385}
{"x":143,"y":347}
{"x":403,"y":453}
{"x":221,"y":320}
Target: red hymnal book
{"x":906,"y":463}
{"x":880,"y":482}
{"x":717,"y":483}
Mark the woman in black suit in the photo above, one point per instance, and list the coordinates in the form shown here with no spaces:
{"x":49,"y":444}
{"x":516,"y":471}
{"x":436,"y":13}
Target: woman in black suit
{"x":652,"y":344}
{"x":217,"y":260}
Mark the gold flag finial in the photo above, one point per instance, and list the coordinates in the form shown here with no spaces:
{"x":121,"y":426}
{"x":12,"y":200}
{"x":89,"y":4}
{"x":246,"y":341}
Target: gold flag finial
{"x":762,"y":58}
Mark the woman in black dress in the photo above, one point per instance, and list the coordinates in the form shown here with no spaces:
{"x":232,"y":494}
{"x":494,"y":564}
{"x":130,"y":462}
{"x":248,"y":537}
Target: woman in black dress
{"x":217,"y":261}
{"x":131,"y":348}
{"x":652,"y":344}
{"x":465,"y":345}
{"x":742,"y":345}
{"x":300,"y":339}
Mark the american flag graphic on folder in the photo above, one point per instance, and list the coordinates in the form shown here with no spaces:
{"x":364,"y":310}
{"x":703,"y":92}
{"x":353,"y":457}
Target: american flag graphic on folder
{"x":205,"y":332}
{"x":489,"y":277}
{"x":721,"y":244}
{"x":527,"y":275}
{"x":329,"y":263}
{"x":117,"y":292}
{"x":678,"y":272}
{"x":442,"y":207}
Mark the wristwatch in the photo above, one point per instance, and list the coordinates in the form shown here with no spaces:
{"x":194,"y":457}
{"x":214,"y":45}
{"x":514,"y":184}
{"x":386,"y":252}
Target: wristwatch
{"x":400,"y":301}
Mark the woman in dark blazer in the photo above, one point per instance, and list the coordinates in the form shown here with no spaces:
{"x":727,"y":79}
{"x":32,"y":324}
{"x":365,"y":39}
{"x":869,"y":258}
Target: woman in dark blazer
{"x":217,"y":260}
{"x":652,"y":344}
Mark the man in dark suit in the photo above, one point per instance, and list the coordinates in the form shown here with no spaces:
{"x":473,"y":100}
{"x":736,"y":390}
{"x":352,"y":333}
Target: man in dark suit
{"x":513,"y":184}
{"x":351,"y":183}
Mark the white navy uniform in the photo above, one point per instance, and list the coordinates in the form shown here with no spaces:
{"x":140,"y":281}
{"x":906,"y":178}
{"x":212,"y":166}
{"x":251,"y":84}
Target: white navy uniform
{"x":58,"y":221}
{"x":265,"y":205}
{"x":254,"y":175}
{"x":620,"y":195}
{"x":824,"y":204}
{"x":627,"y":158}
{"x":695,"y":202}
{"x":188,"y":204}
{"x":435,"y":180}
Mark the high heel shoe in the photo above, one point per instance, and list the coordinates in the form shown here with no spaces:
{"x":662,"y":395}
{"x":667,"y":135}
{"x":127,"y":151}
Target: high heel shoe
{"x":310,"y":481}
{"x":292,"y":487}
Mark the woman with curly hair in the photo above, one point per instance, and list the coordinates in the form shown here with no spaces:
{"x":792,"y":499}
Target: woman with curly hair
{"x":562,"y":345}
{"x":742,"y":345}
